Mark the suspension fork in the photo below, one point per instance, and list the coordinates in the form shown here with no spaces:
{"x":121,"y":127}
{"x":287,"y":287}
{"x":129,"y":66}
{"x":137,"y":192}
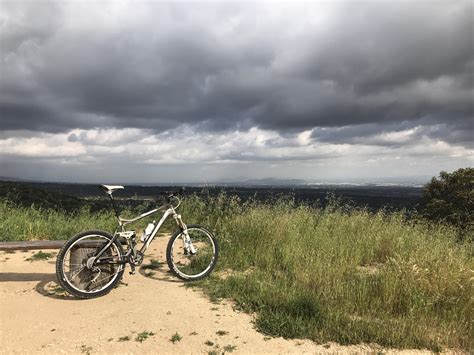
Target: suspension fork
{"x":187,"y":243}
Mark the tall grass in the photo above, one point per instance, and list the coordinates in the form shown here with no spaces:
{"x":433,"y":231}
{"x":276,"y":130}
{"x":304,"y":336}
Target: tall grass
{"x":342,"y":275}
{"x":21,"y":223}
{"x":334,"y":274}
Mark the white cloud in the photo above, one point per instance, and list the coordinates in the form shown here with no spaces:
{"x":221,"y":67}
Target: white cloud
{"x":298,"y":155}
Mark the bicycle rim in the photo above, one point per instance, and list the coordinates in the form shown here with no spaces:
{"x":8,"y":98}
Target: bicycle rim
{"x":75,"y":270}
{"x":191,"y":266}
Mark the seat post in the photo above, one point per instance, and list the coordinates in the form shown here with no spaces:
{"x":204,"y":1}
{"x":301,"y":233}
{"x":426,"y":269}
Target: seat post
{"x":112,"y":202}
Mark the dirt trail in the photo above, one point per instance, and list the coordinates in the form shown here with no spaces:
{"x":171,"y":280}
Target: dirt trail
{"x":37,"y":317}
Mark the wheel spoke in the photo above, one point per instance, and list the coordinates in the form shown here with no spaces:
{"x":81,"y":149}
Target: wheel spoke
{"x":77,"y":273}
{"x":78,"y":277}
{"x":188,"y":265}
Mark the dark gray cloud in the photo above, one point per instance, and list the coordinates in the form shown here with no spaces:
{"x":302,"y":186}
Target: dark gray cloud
{"x":281,"y":67}
{"x":203,"y":91}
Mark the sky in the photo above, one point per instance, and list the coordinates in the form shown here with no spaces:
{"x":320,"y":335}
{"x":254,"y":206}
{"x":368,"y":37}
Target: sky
{"x":158,"y":92}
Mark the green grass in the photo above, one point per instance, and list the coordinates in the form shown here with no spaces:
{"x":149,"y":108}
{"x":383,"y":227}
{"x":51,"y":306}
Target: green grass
{"x":334,"y":274}
{"x":40,"y":255}
{"x":86,"y":349}
{"x":141,"y":337}
{"x":343,"y":274}
{"x":175,"y":338}
{"x":229,"y":348}
{"x":21,"y":223}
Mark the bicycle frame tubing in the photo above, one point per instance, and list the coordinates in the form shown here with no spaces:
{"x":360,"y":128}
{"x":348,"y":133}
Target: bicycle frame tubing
{"x":170,"y":210}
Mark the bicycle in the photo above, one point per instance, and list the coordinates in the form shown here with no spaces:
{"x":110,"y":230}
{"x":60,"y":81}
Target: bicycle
{"x":92,"y":263}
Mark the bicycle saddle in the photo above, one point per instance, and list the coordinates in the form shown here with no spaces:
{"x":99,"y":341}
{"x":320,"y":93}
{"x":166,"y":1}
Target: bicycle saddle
{"x":109,"y":189}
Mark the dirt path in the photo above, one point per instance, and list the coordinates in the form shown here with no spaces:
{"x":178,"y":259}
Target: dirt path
{"x":37,"y":317}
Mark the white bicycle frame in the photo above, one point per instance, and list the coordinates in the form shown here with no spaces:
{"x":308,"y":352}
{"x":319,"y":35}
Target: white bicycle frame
{"x":171,"y":210}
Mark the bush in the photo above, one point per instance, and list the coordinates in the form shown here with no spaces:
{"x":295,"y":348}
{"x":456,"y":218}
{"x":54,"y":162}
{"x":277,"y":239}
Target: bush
{"x":450,"y":199}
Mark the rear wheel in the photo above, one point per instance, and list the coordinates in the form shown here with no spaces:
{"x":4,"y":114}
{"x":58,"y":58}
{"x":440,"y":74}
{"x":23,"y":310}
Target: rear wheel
{"x":185,"y":263}
{"x":75,"y":271}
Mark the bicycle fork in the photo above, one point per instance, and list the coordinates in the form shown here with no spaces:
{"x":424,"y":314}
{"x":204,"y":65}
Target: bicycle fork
{"x":187,"y":243}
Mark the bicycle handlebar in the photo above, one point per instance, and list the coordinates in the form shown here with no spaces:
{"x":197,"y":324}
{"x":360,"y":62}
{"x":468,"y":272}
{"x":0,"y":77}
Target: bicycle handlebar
{"x":175,"y":194}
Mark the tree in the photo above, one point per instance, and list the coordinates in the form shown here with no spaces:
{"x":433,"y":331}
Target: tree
{"x":450,"y":199}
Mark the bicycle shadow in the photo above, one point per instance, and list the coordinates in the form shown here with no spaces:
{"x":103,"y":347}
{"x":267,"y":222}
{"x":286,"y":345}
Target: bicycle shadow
{"x":155,"y":270}
{"x":47,"y":286}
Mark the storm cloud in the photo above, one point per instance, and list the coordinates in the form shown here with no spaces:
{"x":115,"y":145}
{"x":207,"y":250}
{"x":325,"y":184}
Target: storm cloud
{"x":376,"y":74}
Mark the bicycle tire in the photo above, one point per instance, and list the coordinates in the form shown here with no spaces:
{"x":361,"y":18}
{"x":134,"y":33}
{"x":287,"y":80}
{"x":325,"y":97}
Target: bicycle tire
{"x":60,"y":272}
{"x":172,"y":265}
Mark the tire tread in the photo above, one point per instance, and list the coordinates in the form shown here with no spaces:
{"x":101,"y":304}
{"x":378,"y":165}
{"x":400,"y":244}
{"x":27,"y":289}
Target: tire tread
{"x":59,"y":266}
{"x":169,"y":256}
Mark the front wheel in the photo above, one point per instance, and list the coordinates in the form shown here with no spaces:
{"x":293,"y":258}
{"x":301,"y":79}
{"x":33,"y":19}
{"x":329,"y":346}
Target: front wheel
{"x":194,"y":258}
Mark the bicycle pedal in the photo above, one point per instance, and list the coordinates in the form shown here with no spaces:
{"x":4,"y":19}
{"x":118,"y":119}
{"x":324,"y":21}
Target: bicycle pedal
{"x":132,"y":272}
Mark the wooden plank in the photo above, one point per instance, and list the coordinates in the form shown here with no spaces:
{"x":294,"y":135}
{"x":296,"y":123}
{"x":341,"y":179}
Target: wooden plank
{"x":32,"y":245}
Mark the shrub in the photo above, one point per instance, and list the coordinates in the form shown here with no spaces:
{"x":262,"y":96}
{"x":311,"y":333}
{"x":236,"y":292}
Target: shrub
{"x":450,"y":199}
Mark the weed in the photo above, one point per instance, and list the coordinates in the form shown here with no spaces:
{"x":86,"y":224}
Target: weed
{"x":175,"y":338}
{"x":193,"y":333}
{"x":125,"y":338}
{"x":222,"y":332}
{"x":209,"y":343}
{"x":86,"y":349}
{"x":40,"y":256}
{"x":214,"y":299}
{"x":141,"y":337}
{"x":229,"y":348}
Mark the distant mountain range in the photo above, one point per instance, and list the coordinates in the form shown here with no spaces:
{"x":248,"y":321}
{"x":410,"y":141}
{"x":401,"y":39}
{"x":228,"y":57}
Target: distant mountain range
{"x":268,"y":182}
{"x":264,"y":182}
{"x":9,"y":178}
